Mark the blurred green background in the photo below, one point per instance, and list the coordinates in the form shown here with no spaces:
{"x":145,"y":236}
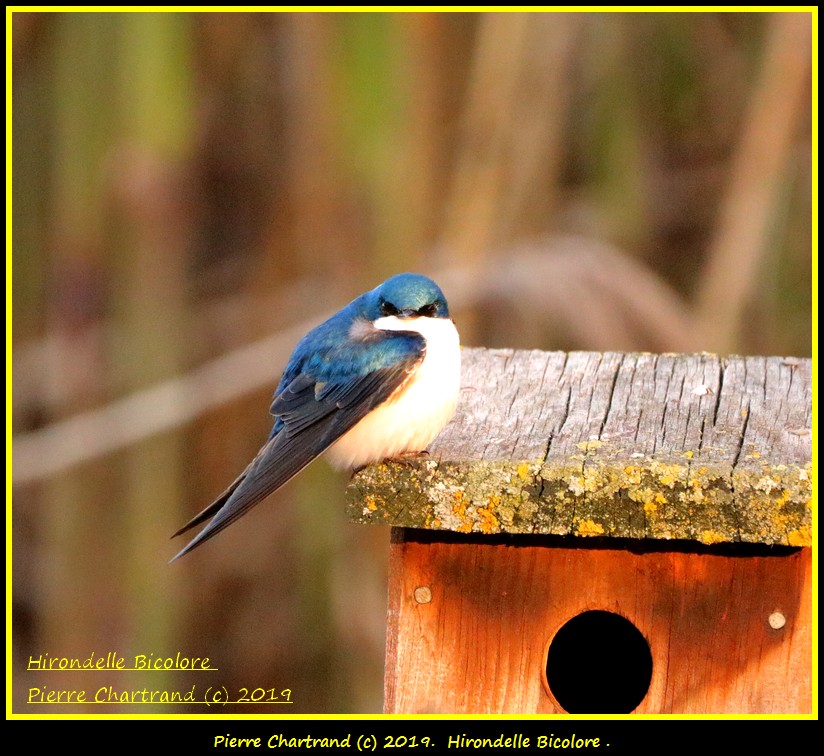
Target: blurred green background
{"x":193,"y":191}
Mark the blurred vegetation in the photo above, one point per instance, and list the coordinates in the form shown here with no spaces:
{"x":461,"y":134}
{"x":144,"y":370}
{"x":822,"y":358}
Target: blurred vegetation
{"x":188,"y":184}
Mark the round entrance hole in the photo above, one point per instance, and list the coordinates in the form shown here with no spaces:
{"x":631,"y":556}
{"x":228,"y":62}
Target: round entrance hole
{"x":599,"y":663}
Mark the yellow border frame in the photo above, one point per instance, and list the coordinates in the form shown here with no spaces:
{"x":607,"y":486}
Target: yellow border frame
{"x":397,"y":9}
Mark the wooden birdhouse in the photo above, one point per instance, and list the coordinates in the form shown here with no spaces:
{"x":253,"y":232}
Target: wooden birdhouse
{"x":603,"y":533}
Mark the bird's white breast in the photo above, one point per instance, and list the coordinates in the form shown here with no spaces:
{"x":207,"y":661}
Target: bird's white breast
{"x":411,"y":418}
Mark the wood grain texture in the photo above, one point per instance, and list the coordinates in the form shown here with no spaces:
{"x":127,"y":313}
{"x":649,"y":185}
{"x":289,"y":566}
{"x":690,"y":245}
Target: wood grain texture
{"x":479,"y":644}
{"x":643,"y":446}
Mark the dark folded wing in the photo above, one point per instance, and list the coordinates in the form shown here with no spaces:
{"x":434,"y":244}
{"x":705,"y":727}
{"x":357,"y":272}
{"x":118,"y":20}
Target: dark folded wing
{"x":312,"y":415}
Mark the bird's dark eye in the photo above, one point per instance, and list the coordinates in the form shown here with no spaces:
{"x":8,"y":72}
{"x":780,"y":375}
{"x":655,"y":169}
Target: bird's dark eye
{"x":428,"y":311}
{"x":387,"y":308}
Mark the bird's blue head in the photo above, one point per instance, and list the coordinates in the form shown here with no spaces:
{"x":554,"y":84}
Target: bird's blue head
{"x":407,"y":295}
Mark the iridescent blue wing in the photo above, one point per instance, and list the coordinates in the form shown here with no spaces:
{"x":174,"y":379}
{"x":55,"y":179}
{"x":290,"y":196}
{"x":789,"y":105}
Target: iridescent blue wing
{"x":324,"y":393}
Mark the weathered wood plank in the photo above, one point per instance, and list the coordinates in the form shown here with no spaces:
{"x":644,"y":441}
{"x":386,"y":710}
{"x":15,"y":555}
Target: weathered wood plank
{"x":695,"y":447}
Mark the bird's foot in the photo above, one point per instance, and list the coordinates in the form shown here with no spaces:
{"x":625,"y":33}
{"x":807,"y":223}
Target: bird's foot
{"x":408,"y":457}
{"x":404,"y":458}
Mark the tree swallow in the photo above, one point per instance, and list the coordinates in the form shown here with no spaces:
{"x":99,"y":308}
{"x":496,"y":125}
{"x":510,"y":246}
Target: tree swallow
{"x":378,"y":379}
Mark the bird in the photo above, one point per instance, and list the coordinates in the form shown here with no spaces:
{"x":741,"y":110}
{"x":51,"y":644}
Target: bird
{"x":379,"y":379}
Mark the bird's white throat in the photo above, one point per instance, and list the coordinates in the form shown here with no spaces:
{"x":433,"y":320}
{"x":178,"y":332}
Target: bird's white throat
{"x":411,"y":418}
